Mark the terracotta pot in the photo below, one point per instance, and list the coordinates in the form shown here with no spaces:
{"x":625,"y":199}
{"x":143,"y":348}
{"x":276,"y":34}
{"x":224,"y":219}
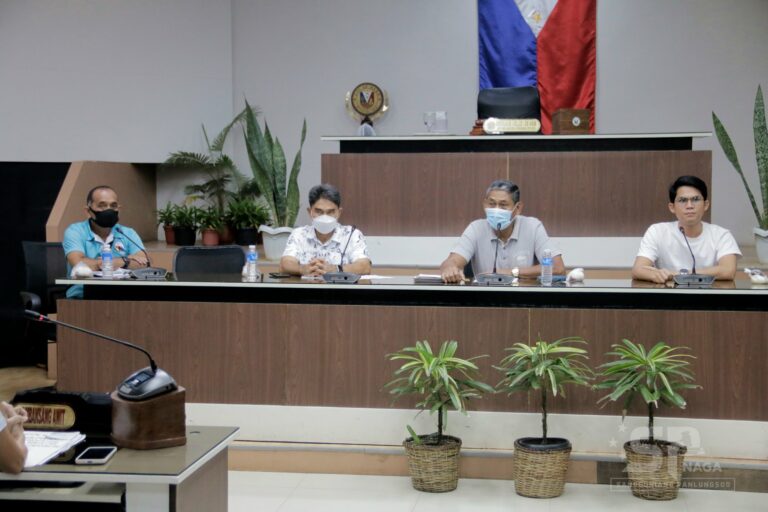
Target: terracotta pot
{"x":226,"y":235}
{"x":210,"y":237}
{"x":170,"y":236}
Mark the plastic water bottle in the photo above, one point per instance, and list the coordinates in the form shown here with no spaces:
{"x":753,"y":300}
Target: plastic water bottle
{"x":252,"y":274}
{"x":106,"y":261}
{"x":546,"y":268}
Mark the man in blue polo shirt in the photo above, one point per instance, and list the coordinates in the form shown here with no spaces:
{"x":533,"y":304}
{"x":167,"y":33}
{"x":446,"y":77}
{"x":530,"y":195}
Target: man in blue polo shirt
{"x":83,"y":240}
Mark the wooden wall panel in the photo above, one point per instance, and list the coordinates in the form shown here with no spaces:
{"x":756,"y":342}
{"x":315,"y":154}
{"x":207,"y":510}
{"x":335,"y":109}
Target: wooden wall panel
{"x":334,"y":355}
{"x":616,"y":193}
{"x":731,"y":350}
{"x":337,"y":353}
{"x":233,"y":353}
{"x":412,"y":194}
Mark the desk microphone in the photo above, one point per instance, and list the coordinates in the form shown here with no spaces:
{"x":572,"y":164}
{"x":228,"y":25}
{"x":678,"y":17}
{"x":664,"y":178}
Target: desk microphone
{"x":149,"y":273}
{"x":691,"y":279}
{"x":494,"y":279}
{"x":141,"y":385}
{"x":342,"y":277}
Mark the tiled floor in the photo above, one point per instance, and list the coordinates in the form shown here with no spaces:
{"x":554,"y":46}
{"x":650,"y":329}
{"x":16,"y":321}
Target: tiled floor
{"x":299,"y":492}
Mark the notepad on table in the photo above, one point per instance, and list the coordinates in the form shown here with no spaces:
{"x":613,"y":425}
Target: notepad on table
{"x":44,"y":445}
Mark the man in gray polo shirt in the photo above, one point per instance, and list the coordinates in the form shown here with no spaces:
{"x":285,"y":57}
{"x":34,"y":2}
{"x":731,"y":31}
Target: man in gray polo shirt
{"x":516,"y":243}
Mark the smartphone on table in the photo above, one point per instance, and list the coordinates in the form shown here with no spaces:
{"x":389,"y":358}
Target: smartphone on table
{"x":96,"y":455}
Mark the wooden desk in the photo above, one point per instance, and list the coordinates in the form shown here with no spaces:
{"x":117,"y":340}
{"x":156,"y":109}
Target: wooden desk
{"x":311,"y":344}
{"x":190,"y":477}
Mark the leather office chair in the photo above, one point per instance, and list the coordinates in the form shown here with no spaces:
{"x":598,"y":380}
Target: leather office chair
{"x":44,"y":262}
{"x":509,"y":103}
{"x":194,"y":260}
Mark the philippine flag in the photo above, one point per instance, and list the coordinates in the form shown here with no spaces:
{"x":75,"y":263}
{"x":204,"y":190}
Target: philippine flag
{"x":544,"y":43}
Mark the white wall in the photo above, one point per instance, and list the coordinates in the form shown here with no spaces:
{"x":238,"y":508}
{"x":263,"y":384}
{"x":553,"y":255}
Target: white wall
{"x":110,"y":79}
{"x":133,"y":80}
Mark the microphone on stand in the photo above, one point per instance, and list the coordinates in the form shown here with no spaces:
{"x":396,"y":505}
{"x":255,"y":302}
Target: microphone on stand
{"x":141,"y":385}
{"x":684,"y":278}
{"x":149,"y":273}
{"x":494,"y":279}
{"x":342,"y":277}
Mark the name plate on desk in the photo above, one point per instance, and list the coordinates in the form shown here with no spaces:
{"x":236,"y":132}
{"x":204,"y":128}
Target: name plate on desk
{"x":496,"y":126}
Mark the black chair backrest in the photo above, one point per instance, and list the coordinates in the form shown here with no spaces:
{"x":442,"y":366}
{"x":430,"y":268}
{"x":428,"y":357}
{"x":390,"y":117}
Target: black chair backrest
{"x":509,"y":103}
{"x":222,"y":259}
{"x":44,"y":262}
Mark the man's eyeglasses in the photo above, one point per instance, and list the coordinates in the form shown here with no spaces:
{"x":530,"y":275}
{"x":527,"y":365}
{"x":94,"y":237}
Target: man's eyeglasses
{"x":692,"y":200}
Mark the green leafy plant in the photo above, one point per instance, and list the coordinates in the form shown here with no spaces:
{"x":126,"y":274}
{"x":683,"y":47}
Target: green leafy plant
{"x":442,"y":380}
{"x":545,"y":368}
{"x":186,"y":216}
{"x":761,"y":155}
{"x":166,"y":215}
{"x":211,"y":218}
{"x":656,"y":375}
{"x":221,"y":172}
{"x":268,"y":164}
{"x":246,"y":212}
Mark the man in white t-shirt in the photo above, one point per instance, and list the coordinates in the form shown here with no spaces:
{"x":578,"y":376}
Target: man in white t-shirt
{"x":664,"y":250}
{"x":13,"y":450}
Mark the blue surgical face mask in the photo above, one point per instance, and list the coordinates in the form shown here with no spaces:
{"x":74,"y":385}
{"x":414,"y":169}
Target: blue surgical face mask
{"x":499,"y":218}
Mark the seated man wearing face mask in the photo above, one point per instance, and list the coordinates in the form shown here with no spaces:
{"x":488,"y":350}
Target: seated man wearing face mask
{"x":325,"y":245}
{"x":83,"y":241}
{"x":513,"y":242}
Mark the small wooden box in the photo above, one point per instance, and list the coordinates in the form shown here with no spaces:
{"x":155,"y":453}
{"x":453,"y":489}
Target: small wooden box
{"x":155,"y":423}
{"x":571,"y":121}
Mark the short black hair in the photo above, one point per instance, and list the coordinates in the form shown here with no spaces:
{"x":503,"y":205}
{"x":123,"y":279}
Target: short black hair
{"x":687,"y":181}
{"x":507,"y":186}
{"x":89,"y":197}
{"x":325,"y":191}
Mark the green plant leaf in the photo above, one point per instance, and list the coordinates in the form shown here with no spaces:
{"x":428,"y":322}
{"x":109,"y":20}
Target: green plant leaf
{"x":730,"y":153}
{"x":761,"y":152}
{"x":292,"y":199}
{"x":414,"y":435}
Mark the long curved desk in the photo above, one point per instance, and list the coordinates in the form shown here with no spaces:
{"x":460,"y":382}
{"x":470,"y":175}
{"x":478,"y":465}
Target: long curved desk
{"x":300,"y":343}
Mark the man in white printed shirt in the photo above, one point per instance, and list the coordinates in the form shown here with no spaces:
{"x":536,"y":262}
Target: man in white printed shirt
{"x":325,"y":245}
{"x":664,"y":250}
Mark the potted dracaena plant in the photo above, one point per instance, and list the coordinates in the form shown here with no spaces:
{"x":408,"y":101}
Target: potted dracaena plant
{"x":442,"y":381}
{"x":186,"y":220}
{"x":657,"y":375}
{"x":245,"y":215}
{"x":280,"y":189}
{"x":220,"y":174}
{"x":540,"y":463}
{"x":761,"y":156}
{"x":211,"y":221}
{"x":165,"y":218}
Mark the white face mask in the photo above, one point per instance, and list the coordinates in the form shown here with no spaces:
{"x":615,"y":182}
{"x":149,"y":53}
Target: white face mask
{"x":324,"y":224}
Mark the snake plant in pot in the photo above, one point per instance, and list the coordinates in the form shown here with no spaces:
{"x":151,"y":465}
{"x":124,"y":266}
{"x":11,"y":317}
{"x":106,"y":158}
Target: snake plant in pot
{"x":540,"y":463}
{"x":761,"y":156}
{"x":657,"y":375}
{"x":442,"y":381}
{"x":280,"y":189}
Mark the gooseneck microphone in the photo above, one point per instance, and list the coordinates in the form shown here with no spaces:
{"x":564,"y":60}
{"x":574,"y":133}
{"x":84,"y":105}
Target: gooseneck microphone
{"x":495,"y":279}
{"x":342,"y":277}
{"x":496,"y":254}
{"x":692,"y":278}
{"x":693,"y":258}
{"x":143,"y":384}
{"x":148,"y":273}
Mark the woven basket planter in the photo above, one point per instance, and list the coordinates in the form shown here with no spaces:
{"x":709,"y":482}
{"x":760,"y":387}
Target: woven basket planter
{"x":539,"y":469}
{"x":433,"y":467}
{"x":655,"y":469}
